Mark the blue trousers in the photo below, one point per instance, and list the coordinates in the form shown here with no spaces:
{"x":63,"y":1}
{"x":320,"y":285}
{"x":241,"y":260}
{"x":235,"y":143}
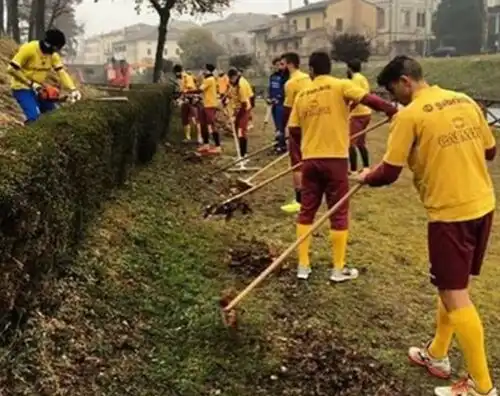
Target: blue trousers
{"x":278,"y":111}
{"x":31,"y":105}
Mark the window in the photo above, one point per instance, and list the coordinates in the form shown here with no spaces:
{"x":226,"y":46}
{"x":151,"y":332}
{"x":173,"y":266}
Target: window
{"x":275,"y":48}
{"x":405,"y":18}
{"x":148,"y":51}
{"x":296,"y":45}
{"x":308,"y":23}
{"x":339,"y":25}
{"x":380,"y":18}
{"x":294,"y":25}
{"x":178,"y":51}
{"x":421,"y":19}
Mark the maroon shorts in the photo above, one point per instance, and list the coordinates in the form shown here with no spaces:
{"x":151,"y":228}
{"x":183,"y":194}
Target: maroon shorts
{"x":186,"y":113}
{"x":241,"y":122}
{"x":456,"y":251}
{"x":294,"y":150}
{"x":209,"y":115}
{"x":356,"y":125}
{"x":324,"y":177}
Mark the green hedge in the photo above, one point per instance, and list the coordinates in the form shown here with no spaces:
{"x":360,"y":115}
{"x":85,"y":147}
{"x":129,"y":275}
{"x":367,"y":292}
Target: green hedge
{"x":53,"y":177}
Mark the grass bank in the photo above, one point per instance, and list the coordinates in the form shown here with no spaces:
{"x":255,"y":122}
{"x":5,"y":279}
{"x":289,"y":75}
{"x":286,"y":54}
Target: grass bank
{"x":477,"y":75}
{"x":137,"y":314}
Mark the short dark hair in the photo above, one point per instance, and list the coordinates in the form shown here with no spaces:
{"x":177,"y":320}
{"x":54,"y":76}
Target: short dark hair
{"x":210,"y":67}
{"x":55,"y":38}
{"x":177,"y":68}
{"x":291,"y":57}
{"x":320,"y":63}
{"x":232,"y":72}
{"x":276,"y":60}
{"x":401,"y":65}
{"x":354,"y":65}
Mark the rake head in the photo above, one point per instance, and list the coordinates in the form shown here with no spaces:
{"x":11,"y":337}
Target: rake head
{"x":243,"y":184}
{"x":229,"y":318}
{"x":227,"y":209}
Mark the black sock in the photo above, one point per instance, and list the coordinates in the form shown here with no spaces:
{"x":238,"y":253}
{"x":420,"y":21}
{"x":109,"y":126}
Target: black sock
{"x":243,"y":146}
{"x":298,"y":196}
{"x":216,"y":137}
{"x":205,"y":135}
{"x":353,"y":158}
{"x":364,"y":156}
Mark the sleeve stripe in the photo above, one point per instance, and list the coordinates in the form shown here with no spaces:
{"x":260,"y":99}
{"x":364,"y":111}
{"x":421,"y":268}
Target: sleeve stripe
{"x":58,"y":68}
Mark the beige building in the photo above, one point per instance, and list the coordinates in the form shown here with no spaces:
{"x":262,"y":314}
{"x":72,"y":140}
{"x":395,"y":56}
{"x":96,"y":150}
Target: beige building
{"x":136,"y":44}
{"x":312,"y":27}
{"x":404,"y":26}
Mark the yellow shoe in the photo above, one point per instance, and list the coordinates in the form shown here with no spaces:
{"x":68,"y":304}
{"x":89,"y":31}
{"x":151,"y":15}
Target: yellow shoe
{"x":291,"y":208}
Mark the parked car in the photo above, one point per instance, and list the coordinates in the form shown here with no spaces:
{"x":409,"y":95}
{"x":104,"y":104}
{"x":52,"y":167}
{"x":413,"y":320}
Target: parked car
{"x":444,"y":52}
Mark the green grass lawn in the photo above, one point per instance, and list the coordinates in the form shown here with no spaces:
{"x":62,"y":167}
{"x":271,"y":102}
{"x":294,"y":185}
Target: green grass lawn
{"x":138,"y":313}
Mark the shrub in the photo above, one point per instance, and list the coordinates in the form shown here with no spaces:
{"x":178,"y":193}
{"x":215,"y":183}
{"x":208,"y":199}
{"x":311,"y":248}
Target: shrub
{"x":53,"y":177}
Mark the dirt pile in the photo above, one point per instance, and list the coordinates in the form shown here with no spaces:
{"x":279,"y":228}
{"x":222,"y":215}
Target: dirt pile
{"x":249,"y":257}
{"x":315,"y":363}
{"x":10,"y":114}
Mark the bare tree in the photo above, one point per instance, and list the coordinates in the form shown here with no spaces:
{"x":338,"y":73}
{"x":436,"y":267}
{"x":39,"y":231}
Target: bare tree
{"x":164,"y":8}
{"x":2,"y":19}
{"x":40,"y":19}
{"x":32,"y":21}
{"x":13,"y":20}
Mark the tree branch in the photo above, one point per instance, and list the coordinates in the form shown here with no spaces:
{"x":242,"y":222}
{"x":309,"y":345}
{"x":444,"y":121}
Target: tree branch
{"x":156,"y":5}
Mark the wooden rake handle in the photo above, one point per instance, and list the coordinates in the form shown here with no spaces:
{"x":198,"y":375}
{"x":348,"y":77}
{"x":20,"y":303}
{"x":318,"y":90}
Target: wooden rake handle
{"x":276,"y":263}
{"x":261,"y":185}
{"x":265,"y":168}
{"x":370,"y":128}
{"x":235,"y":162}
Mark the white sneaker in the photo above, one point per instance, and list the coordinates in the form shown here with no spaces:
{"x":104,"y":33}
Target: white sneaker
{"x":303,"y":272}
{"x":464,"y":387}
{"x":440,"y":368}
{"x":344,"y":275}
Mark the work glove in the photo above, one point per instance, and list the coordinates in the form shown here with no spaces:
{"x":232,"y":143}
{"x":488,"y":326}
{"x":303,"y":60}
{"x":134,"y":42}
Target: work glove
{"x":36,"y":87}
{"x":75,"y":95}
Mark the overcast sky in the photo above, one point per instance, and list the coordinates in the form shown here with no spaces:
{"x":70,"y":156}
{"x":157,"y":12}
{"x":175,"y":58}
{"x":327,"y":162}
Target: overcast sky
{"x":113,"y":14}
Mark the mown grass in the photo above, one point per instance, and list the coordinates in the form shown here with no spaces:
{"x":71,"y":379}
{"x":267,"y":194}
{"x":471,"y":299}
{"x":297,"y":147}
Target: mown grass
{"x":137,"y":314}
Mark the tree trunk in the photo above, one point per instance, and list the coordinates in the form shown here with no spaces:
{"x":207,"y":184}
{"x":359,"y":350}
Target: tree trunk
{"x":485,"y":13}
{"x":13,"y":19}
{"x":40,"y":19}
{"x":32,"y":21}
{"x":2,"y":19}
{"x":160,"y":46}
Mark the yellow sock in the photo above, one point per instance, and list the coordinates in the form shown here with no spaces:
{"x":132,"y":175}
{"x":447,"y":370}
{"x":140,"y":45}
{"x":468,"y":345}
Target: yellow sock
{"x":303,"y":248}
{"x":187,"y":132}
{"x":470,"y":335}
{"x":444,"y":333}
{"x":339,"y":248}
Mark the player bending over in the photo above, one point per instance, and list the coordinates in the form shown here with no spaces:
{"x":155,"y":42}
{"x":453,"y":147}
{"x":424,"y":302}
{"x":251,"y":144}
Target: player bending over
{"x":320,"y":120}
{"x":30,"y":69}
{"x":444,"y":138}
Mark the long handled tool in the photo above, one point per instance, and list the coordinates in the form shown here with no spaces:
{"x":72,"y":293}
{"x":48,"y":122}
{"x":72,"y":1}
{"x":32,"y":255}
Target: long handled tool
{"x":242,"y":161}
{"x":224,"y":207}
{"x":246,"y":184}
{"x":237,"y":161}
{"x":229,"y":316}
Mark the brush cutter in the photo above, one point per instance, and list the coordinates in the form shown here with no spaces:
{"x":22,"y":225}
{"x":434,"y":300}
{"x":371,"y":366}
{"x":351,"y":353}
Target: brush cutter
{"x":229,"y":301}
{"x":245,"y":184}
